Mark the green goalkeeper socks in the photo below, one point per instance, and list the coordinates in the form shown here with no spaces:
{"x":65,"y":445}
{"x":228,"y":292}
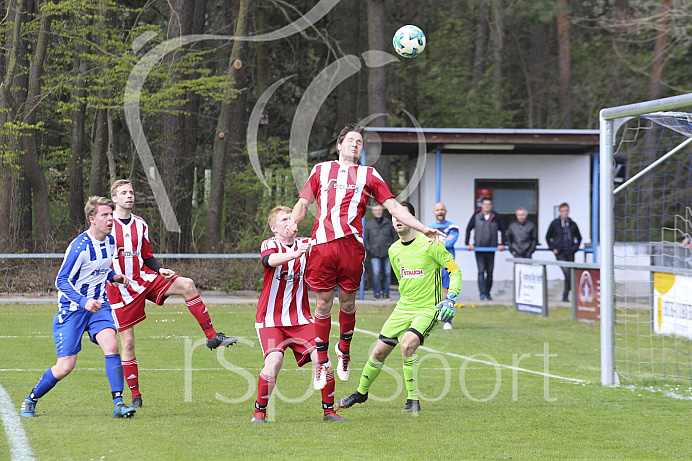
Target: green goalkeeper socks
{"x":411,"y":376}
{"x":370,"y":373}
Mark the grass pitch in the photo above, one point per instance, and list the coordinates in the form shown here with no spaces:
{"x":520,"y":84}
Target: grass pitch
{"x":500,"y":385}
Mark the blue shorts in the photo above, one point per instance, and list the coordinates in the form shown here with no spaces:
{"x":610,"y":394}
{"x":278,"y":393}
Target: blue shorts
{"x":69,"y":327}
{"x":445,"y":278}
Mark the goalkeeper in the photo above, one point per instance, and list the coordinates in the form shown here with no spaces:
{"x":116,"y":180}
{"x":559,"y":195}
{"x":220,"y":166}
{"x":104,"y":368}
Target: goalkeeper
{"x":417,"y":263}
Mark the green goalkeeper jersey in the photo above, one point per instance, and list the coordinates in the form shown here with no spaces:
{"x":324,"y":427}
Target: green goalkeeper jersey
{"x":418,"y":267}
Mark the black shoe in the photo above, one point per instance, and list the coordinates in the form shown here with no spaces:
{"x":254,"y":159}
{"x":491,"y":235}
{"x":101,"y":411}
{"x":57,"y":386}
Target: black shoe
{"x":411,"y":406}
{"x":350,"y":400}
{"x":488,"y":297}
{"x":565,"y":299}
{"x":376,"y":297}
{"x":221,"y":340}
{"x":136,"y":402}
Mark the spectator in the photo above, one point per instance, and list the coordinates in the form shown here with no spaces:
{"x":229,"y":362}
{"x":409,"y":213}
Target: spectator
{"x":452,"y":232}
{"x":563,"y":239}
{"x":521,"y":236}
{"x":379,"y":235}
{"x":683,"y":255}
{"x":485,"y":224}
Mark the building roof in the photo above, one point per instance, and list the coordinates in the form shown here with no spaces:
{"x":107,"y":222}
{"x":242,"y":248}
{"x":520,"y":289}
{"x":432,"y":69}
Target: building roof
{"x":405,"y":141}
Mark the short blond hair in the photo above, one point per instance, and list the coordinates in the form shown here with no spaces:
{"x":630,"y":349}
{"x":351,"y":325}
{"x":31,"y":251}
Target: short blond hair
{"x":92,"y":205}
{"x":117,"y":184}
{"x":275,"y":212}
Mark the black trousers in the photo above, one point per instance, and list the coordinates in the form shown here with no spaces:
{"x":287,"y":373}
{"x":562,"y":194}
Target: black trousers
{"x":486,"y":263}
{"x":566,"y":256}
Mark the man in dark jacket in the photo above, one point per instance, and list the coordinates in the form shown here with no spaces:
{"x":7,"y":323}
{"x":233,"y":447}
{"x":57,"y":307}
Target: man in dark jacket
{"x":563,"y":239}
{"x":379,"y":234}
{"x":486,"y":224}
{"x":521,"y":235}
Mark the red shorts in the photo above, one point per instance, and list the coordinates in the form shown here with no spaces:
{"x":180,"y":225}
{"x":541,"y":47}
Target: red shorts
{"x":339,"y":262}
{"x":300,"y":338}
{"x":131,"y":314}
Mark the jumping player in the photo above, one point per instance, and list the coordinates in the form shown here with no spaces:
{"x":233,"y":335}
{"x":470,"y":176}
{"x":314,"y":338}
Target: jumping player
{"x":342,"y":189}
{"x":418,"y":266}
{"x":283,"y":317}
{"x":148,"y":280}
{"x":83,"y":307}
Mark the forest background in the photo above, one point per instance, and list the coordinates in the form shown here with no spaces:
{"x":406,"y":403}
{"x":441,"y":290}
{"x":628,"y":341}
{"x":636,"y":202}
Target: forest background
{"x":65,"y":65}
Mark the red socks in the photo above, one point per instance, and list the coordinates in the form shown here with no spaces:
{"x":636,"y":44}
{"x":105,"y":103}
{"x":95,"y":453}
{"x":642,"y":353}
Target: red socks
{"x":265,"y":386}
{"x":199,"y":311}
{"x":347,"y":323}
{"x":323,"y":326}
{"x":131,"y":373}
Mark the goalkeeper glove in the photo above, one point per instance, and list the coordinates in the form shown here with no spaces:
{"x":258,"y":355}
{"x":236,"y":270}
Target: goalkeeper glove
{"x":446,"y":308}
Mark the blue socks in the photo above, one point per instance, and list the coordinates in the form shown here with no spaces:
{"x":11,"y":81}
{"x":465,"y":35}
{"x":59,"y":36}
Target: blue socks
{"x":114,"y":372}
{"x":45,"y":384}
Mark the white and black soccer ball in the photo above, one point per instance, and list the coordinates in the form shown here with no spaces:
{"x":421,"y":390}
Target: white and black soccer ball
{"x":409,"y":41}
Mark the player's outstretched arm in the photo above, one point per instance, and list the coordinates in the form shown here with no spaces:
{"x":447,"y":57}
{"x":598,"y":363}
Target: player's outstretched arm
{"x":402,"y":214}
{"x":278,"y":259}
{"x":298,"y":214}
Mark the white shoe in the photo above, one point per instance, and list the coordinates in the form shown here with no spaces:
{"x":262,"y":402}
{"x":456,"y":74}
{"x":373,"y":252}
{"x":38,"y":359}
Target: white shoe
{"x":447,"y":326}
{"x":320,"y":377}
{"x":342,"y":366}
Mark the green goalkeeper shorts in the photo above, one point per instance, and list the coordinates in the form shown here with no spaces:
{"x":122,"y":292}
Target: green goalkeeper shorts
{"x":399,"y":322}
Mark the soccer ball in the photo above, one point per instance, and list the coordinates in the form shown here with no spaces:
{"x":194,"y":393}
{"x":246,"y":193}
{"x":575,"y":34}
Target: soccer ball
{"x":409,"y":41}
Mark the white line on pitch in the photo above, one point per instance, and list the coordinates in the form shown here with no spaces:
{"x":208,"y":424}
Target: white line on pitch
{"x":19,"y":444}
{"x":471,"y":359}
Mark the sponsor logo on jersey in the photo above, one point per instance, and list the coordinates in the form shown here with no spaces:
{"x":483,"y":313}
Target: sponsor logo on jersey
{"x":411,"y":273}
{"x":288,"y":277}
{"x":100,"y":271}
{"x":337,"y":186}
{"x":127,"y":254}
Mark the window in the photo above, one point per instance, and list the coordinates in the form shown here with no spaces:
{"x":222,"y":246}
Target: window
{"x":508,"y":195}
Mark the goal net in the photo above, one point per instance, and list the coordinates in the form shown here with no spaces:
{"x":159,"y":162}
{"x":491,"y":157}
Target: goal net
{"x":646,"y":224}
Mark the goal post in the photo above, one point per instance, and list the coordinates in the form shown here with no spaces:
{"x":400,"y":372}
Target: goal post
{"x":650,"y":217}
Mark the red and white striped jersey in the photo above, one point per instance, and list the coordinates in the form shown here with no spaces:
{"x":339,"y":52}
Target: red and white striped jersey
{"x":132,"y":244}
{"x":284,"y":298}
{"x":342,"y":193}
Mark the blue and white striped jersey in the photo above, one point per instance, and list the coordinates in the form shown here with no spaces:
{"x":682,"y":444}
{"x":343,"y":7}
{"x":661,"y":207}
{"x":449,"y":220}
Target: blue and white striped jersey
{"x":84,"y":271}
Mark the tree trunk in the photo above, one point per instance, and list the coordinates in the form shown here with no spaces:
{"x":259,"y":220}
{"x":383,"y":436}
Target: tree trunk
{"x":479,"y":59}
{"x":99,"y":137}
{"x":564,"y":65}
{"x":43,"y":234}
{"x":377,"y":81}
{"x":20,"y":191}
{"x":99,"y":146}
{"x":347,"y":91}
{"x":75,"y":203}
{"x":660,"y":46}
{"x":497,"y":38}
{"x":222,"y":142}
{"x":7,"y":106}
{"x":177,"y":174}
{"x":535,"y":76}
{"x":619,"y":37}
{"x":646,"y":228}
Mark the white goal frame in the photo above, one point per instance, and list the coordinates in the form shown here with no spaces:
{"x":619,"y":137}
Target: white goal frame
{"x":611,"y":119}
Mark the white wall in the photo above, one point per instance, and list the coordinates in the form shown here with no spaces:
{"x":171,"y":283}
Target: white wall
{"x":561,"y":178}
